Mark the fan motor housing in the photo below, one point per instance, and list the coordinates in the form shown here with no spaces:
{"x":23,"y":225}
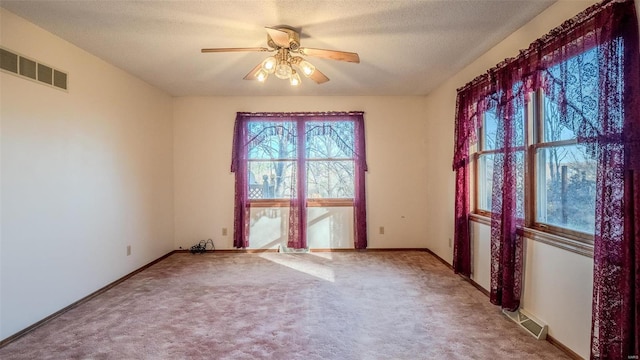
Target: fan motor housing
{"x":294,"y":39}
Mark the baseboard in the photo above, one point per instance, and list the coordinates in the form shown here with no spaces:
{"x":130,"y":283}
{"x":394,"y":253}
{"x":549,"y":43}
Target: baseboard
{"x":316,"y":250}
{"x":439,"y":258}
{"x":231,"y":251}
{"x":395,"y":249}
{"x":21,"y":333}
{"x":549,"y":338}
{"x":324,"y":250}
{"x":553,"y":341}
{"x":477,"y":286}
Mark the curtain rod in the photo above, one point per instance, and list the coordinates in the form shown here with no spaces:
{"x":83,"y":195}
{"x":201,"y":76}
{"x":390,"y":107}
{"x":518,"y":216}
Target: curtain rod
{"x":284,"y":114}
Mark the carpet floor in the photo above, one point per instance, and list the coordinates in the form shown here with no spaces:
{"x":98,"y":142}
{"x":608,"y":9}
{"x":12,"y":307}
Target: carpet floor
{"x":341,"y":305}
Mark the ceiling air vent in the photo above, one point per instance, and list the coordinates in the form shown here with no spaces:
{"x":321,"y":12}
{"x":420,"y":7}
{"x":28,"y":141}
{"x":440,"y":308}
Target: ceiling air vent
{"x":26,"y":68}
{"x":59,"y":79}
{"x":45,"y":74}
{"x":8,"y":61}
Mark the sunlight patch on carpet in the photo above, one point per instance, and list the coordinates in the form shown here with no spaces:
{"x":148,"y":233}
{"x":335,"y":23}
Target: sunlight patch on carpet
{"x":302,"y":263}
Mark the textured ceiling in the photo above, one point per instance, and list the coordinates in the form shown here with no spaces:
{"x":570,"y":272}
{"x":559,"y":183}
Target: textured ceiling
{"x":406,"y":47}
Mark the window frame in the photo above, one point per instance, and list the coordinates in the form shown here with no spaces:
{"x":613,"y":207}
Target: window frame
{"x":309,"y":202}
{"x":476,"y":169}
{"x":538,"y":142}
{"x":534,"y":140}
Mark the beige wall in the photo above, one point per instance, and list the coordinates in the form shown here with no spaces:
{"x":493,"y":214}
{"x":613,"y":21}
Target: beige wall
{"x":558,"y":283}
{"x":395,"y":135}
{"x":84,"y":174}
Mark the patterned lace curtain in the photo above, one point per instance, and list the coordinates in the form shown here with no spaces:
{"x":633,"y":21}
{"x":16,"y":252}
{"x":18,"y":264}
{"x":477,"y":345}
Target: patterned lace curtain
{"x":589,"y":66}
{"x":281,"y":140}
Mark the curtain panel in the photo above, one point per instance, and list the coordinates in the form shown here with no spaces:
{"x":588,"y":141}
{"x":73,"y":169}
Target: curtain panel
{"x":298,"y":135}
{"x":589,"y":66}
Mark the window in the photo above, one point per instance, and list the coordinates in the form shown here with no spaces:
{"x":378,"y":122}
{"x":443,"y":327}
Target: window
{"x":329,"y":159}
{"x":285,"y":163}
{"x":487,"y":148}
{"x":565,"y":177}
{"x":271,"y":160}
{"x":560,"y":172}
{"x":274,"y":158}
{"x":490,"y":159}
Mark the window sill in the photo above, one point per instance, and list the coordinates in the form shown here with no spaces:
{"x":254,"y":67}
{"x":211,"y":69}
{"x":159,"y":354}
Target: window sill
{"x":560,"y":242}
{"x":267,"y":203}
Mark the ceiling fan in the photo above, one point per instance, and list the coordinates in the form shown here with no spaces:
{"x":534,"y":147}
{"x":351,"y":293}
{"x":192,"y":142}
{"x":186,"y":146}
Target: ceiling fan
{"x":285,"y":42}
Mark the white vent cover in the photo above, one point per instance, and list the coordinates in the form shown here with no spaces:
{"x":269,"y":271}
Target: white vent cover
{"x":285,"y":249}
{"x":26,"y":68}
{"x":533,"y":326}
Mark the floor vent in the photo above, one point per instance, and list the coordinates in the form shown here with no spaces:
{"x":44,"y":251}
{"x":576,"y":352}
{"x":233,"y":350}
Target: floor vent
{"x":27,"y":68}
{"x":533,"y":326}
{"x":285,"y":249}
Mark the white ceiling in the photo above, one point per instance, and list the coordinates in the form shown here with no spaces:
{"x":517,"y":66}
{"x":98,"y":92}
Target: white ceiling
{"x":406,"y":47}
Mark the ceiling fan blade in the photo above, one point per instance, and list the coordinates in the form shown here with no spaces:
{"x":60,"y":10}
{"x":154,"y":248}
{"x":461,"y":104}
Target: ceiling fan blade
{"x":318,"y":77}
{"x":331,"y":54}
{"x":279,"y":37}
{"x":252,"y":74}
{"x":234,"y":49}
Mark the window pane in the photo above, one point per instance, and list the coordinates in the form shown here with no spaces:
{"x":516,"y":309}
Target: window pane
{"x":272,"y":140}
{"x":487,"y":164}
{"x":520,"y":190}
{"x":519,"y":116}
{"x":495,"y":132}
{"x":271,"y":179}
{"x":485,"y":181}
{"x":554,"y":129}
{"x":565,"y":187}
{"x":268,"y":226}
{"x":576,"y":83}
{"x":330,"y":179}
{"x":490,"y":130}
{"x":503,"y":181}
{"x":330,"y":139}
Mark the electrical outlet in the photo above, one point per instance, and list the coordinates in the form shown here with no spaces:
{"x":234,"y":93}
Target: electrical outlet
{"x":128,"y":250}
{"x":224,"y":231}
{"x":381,"y":230}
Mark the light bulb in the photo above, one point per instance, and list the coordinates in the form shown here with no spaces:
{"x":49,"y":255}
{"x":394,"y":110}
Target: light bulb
{"x":283,"y":70}
{"x":269,"y":64}
{"x":262,"y":75}
{"x":307,"y":68}
{"x":294,"y":79}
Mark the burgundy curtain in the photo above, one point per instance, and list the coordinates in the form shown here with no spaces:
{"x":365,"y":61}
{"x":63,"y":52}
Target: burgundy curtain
{"x":507,"y":212}
{"x":239,"y":167}
{"x":297,"y":221}
{"x":360,"y":200}
{"x":590,"y":67}
{"x":616,"y":292}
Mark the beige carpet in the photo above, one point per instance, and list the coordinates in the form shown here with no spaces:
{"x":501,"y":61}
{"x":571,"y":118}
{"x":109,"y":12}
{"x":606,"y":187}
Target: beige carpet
{"x":375,"y":305}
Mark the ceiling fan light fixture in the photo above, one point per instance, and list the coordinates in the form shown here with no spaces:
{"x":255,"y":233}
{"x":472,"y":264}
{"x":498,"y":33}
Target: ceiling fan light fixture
{"x":262,"y":75}
{"x":307,"y":68}
{"x":283,"y":70}
{"x":294,"y":80}
{"x":285,"y":42}
{"x":269,"y":64}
